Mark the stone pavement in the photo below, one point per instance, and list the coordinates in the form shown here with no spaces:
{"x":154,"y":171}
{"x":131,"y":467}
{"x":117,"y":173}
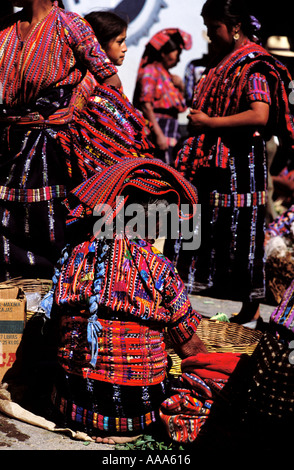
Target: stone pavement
{"x":17,"y":435}
{"x":208,"y":306}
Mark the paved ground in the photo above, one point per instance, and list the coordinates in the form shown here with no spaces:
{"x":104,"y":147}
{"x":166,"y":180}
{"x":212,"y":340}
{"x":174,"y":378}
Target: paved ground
{"x":16,"y":435}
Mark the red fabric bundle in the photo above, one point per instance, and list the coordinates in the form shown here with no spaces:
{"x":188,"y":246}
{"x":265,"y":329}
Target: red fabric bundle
{"x":211,"y":365}
{"x":185,"y":404}
{"x":185,"y":412}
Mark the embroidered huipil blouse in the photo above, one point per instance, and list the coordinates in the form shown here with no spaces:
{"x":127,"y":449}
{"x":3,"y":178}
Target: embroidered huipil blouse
{"x":141,"y":296}
{"x":57,"y":52}
{"x":156,"y":87}
{"x":249,"y":74}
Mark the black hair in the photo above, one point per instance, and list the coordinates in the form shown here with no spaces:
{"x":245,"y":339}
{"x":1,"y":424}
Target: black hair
{"x":232,"y":12}
{"x":174,"y":43}
{"x":60,"y":3}
{"x":6,"y":9}
{"x":106,"y":25}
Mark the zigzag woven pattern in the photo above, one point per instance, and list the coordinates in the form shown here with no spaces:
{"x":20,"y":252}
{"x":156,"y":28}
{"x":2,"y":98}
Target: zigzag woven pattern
{"x":151,"y":175}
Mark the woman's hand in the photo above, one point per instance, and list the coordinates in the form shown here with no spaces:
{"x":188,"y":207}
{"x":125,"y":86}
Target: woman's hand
{"x":160,"y":138}
{"x":178,"y":82}
{"x":191,"y":347}
{"x":198,"y":120}
{"x":256,"y":116}
{"x":161,"y":141}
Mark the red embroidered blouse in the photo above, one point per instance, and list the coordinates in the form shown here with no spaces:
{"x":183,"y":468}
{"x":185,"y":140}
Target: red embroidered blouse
{"x":57,"y":52}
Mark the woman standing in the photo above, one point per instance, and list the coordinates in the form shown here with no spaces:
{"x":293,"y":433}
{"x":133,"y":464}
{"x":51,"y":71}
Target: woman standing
{"x":45,"y":54}
{"x":239,"y":102}
{"x":158,"y":93}
{"x":109,"y":128}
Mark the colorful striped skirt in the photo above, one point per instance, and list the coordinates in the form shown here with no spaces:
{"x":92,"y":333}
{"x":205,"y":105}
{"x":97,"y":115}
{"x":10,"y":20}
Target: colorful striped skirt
{"x":123,"y":392}
{"x":35,"y":177}
{"x":99,"y":408}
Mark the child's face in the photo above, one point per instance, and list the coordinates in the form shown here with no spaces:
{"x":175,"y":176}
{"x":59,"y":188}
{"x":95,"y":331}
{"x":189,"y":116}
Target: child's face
{"x":117,"y":48}
{"x":171,"y":59}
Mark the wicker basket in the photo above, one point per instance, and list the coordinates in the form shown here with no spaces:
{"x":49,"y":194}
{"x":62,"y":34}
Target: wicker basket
{"x":29,"y":285}
{"x":220,"y":337}
{"x":228,"y":337}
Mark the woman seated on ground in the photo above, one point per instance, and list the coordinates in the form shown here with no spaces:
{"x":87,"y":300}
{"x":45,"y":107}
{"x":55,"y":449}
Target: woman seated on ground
{"x":113,"y":299}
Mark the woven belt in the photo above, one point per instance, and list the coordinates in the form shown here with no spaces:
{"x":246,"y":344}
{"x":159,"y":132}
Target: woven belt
{"x":32,"y":195}
{"x":35,"y":119}
{"x":257,"y":198}
{"x":31,"y":118}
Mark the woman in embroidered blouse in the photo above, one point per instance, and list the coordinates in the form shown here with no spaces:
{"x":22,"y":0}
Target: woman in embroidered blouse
{"x":109,"y":128}
{"x":160,"y":94}
{"x":239,"y":102}
{"x":45,"y":55}
{"x":113,"y":298}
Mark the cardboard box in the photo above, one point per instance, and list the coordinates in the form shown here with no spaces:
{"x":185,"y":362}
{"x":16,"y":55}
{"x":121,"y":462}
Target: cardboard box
{"x":12,"y":323}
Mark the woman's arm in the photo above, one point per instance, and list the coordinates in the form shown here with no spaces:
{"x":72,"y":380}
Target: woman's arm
{"x":149,"y":114}
{"x":193,"y":346}
{"x":256,"y":116}
{"x":114,"y":80}
{"x":85,"y":45}
{"x":184,"y":321}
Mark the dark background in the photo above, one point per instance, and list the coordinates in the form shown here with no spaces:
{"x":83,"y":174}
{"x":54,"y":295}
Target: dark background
{"x":276,"y":17}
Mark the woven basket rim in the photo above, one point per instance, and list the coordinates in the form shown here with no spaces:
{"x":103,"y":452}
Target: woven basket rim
{"x":25,"y":281}
{"x":29,"y":285}
{"x":219,"y":336}
{"x":227,"y":333}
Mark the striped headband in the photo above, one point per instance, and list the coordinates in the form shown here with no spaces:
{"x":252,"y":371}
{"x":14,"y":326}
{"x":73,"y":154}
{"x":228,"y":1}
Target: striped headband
{"x":163,"y":36}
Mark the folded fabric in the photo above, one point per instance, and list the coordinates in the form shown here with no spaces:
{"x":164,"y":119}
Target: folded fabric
{"x":216,"y":385}
{"x":190,"y":383}
{"x":208,"y":374}
{"x":192,"y":394}
{"x":197,"y":384}
{"x":183,"y":415}
{"x":283,"y":315}
{"x":185,"y":404}
{"x":182,"y":428}
{"x":211,"y":365}
{"x":145,"y":174}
